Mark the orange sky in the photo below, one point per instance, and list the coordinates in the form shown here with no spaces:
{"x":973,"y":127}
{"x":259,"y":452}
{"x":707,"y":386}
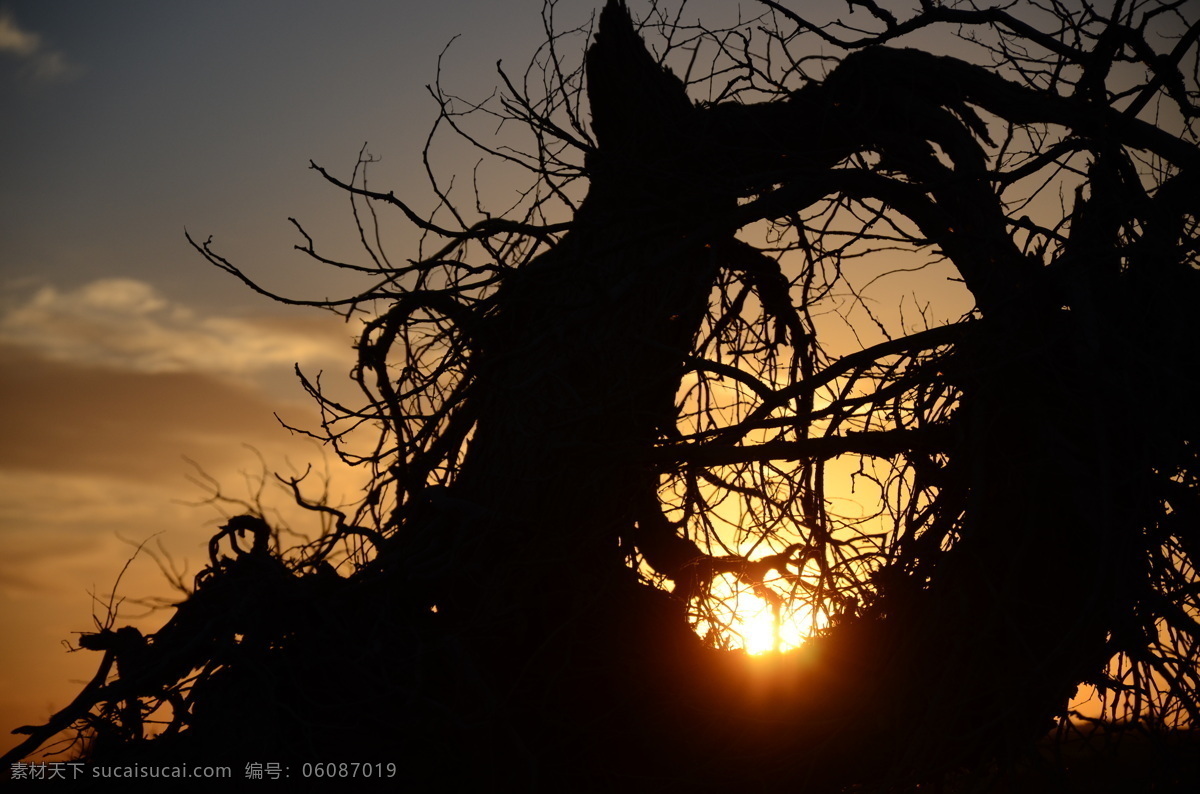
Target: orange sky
{"x":106,"y":389}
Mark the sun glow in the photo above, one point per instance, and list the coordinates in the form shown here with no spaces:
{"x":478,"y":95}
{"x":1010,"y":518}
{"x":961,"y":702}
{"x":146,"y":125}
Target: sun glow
{"x":734,"y":616}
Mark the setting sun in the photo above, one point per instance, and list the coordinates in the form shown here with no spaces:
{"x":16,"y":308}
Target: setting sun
{"x":757,"y":627}
{"x":735,"y":617}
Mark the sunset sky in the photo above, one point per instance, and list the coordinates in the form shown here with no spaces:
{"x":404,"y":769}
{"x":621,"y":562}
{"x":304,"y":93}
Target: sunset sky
{"x":123,"y":353}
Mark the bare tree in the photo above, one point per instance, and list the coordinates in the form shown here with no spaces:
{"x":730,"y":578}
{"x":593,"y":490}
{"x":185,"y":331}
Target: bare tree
{"x":596,"y":415}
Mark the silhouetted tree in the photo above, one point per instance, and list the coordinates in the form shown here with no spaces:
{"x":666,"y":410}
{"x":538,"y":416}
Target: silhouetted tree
{"x":594,"y":415}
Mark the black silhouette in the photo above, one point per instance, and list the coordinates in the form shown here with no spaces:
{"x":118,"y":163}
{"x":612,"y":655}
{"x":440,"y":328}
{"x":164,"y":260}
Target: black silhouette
{"x":553,"y":436}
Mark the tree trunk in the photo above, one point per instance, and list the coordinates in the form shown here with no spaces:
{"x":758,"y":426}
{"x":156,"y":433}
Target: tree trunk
{"x":577,"y":370}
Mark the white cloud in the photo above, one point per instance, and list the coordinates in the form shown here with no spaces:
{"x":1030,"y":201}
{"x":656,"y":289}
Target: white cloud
{"x":125,"y":324}
{"x":42,"y":63}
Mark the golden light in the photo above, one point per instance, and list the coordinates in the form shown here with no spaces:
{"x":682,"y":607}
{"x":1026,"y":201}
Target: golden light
{"x":757,"y":627}
{"x":735,"y":617}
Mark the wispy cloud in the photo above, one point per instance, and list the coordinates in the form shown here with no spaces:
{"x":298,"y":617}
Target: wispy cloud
{"x":125,"y":324}
{"x":41,"y":63}
{"x":15,"y":41}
